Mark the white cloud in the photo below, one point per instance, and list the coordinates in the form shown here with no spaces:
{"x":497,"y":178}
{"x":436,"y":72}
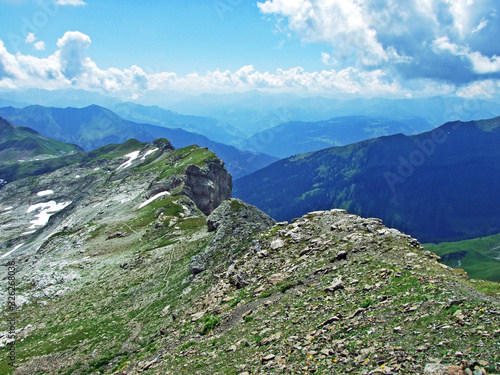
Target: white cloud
{"x":339,"y":22}
{"x":480,"y":64}
{"x":398,"y":36}
{"x":481,"y":89}
{"x":71,"y":2}
{"x":70,"y":67}
{"x":72,"y":48}
{"x":39,"y":46}
{"x":484,"y":22}
{"x":30,"y":38}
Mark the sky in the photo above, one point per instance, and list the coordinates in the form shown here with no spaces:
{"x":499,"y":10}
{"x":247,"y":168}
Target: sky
{"x":132,"y":48}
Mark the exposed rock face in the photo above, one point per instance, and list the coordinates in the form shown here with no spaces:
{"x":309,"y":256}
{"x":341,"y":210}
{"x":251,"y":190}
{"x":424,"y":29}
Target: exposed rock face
{"x":163,"y":144}
{"x":235,"y":222}
{"x":208,"y":186}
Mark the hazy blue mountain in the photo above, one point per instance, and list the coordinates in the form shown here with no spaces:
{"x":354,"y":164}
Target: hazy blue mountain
{"x":11,"y":103}
{"x":297,"y":137}
{"x":154,"y":115}
{"x":18,"y":143}
{"x":437,"y":186}
{"x":94,"y":126}
{"x":255,"y":111}
{"x":56,"y":98}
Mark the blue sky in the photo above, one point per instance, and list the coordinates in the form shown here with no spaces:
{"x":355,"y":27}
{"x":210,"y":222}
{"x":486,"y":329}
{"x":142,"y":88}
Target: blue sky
{"x":128,"y":48}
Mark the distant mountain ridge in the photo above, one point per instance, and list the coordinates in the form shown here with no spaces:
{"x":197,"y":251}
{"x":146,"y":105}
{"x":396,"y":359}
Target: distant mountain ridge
{"x":299,"y":137}
{"x":18,"y":143}
{"x":154,"y":115}
{"x":95,"y":126}
{"x":255,"y":111}
{"x":437,"y":186}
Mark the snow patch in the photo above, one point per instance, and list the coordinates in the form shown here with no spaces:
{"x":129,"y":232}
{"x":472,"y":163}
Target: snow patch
{"x":8,"y":208}
{"x":45,"y":193}
{"x":28,"y":233}
{"x":77,"y":176}
{"x":10,"y":252}
{"x":149,"y":153}
{"x":154,"y":198}
{"x":131,"y":157}
{"x":46,"y":211}
{"x":96,"y":169}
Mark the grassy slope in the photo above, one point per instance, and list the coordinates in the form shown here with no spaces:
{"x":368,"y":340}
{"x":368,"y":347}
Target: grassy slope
{"x":114,"y":311}
{"x":481,"y":259}
{"x":114,"y":323}
{"x":18,"y":142}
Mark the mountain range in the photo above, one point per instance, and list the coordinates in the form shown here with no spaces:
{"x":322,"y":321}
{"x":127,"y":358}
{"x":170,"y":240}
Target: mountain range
{"x":255,"y":111}
{"x":298,"y":137}
{"x":154,"y":115}
{"x":21,"y":143}
{"x":437,"y":186}
{"x":95,"y":126}
{"x":136,"y":260}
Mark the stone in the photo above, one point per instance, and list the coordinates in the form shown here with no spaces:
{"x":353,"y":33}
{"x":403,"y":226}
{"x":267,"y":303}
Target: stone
{"x":277,"y":244}
{"x":276,"y":278}
{"x":340,"y":256}
{"x":197,"y":316}
{"x":440,"y":369}
{"x":268,"y":358}
{"x":336,"y":284}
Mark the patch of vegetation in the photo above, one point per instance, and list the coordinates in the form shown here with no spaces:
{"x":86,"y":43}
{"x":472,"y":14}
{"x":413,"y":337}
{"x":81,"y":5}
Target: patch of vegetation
{"x":187,"y":345}
{"x":367,"y":302}
{"x":209,"y":323}
{"x":285,"y":285}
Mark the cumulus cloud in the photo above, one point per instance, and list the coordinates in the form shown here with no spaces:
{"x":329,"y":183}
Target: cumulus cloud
{"x":399,"y":36}
{"x":30,"y":38}
{"x":74,"y":3}
{"x":72,"y":48}
{"x":39,"y":46}
{"x":70,"y":67}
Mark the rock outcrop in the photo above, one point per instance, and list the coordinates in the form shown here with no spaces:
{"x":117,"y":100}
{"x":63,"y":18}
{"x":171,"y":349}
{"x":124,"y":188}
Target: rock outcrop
{"x":208,"y":186}
{"x":234,"y":223}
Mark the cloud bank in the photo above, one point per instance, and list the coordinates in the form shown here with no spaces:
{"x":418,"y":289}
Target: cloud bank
{"x":449,"y":40}
{"x":69,"y":67}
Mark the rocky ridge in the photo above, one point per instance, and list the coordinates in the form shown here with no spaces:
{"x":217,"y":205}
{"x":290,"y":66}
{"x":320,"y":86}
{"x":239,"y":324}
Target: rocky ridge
{"x":334,"y":292}
{"x":128,"y":275}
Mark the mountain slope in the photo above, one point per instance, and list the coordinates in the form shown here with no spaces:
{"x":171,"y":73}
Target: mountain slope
{"x":209,"y":127}
{"x":437,"y":186}
{"x":94,"y":126}
{"x":480,"y":257}
{"x":106,"y":285}
{"x":294,"y":138}
{"x":23,"y":143}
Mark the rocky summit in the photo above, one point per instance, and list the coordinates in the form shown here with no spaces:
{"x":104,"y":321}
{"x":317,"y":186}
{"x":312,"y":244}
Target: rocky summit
{"x":138,"y":261}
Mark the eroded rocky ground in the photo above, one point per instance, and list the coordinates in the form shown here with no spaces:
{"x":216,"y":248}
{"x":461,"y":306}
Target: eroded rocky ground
{"x":135,"y":278}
